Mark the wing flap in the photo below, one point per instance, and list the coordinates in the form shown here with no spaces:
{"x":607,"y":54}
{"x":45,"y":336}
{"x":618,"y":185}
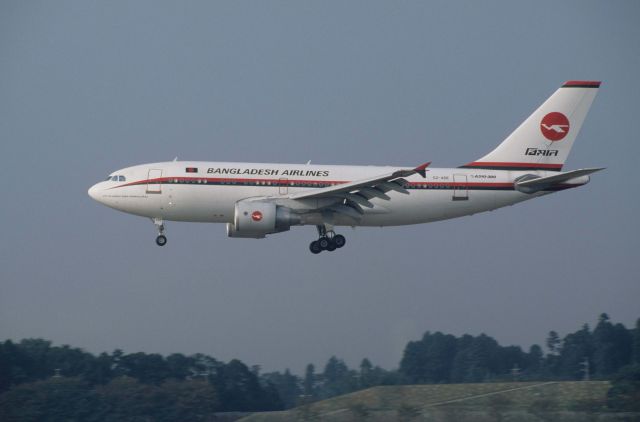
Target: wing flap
{"x":367,"y":188}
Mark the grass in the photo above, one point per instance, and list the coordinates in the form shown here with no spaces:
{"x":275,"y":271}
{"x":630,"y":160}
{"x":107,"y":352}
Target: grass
{"x":533,"y":401}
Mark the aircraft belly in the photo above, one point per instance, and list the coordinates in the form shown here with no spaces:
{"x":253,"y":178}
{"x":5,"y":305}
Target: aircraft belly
{"x":426,"y":206}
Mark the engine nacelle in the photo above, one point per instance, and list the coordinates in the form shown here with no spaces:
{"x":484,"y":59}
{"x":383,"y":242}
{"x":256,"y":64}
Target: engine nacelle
{"x":256,"y":219}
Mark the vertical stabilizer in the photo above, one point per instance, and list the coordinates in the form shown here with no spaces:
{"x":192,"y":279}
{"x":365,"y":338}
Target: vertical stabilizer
{"x":544,"y":140}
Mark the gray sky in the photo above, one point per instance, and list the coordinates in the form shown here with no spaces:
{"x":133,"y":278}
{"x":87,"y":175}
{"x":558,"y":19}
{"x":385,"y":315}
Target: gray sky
{"x":89,"y":87}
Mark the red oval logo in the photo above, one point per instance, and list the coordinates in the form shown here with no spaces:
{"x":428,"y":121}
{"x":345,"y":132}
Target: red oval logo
{"x":554,"y":126}
{"x":256,"y":216}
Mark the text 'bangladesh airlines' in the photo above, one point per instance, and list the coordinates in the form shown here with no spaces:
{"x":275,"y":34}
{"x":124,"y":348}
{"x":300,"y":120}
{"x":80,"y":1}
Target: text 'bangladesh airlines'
{"x":255,"y":200}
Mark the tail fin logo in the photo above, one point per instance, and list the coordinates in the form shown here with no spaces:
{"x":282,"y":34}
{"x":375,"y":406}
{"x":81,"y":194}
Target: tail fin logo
{"x":554,"y":126}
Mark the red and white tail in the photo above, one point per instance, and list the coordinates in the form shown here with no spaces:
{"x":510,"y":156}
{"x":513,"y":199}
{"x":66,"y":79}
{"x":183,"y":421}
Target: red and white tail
{"x":544,"y":140}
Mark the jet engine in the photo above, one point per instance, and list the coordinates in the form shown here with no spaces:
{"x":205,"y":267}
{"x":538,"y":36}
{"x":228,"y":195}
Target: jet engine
{"x":256,"y":219}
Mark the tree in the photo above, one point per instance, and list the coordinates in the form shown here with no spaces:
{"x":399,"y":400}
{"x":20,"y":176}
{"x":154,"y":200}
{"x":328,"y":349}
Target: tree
{"x":179,"y":366}
{"x":125,"y":398}
{"x":147,"y":368}
{"x":100,"y":370}
{"x":612,"y":347}
{"x":553,"y":343}
{"x":535,"y":361}
{"x":477,"y":359}
{"x":13,"y":362}
{"x":429,"y":360}
{"x":576,"y":347}
{"x":366,"y":374}
{"x":309,"y":384}
{"x":205,"y":366}
{"x":191,"y":400}
{"x":337,"y":379}
{"x":636,"y":343}
{"x":287,"y":385}
{"x":54,"y":399}
{"x":240,"y":391}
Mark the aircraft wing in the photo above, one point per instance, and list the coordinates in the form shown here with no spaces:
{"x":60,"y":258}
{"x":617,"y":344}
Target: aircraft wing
{"x":356,"y":194}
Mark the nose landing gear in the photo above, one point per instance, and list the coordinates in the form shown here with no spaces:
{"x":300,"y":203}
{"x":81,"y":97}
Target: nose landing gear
{"x":161,"y":240}
{"x":328,"y":241}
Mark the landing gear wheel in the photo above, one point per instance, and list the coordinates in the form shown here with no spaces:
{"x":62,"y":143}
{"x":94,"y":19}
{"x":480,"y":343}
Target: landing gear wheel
{"x":314,"y":247}
{"x":323,"y":242}
{"x":339,"y":240}
{"x":331,"y":246}
{"x":161,"y":240}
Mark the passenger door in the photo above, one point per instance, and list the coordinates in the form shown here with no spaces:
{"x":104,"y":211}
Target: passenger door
{"x":460,"y":189}
{"x":154,"y":185}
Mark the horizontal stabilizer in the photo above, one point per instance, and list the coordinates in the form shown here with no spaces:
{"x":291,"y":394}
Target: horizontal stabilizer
{"x":532,"y":183}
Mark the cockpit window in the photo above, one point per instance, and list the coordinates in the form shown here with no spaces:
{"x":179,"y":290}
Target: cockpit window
{"x":121,"y":178}
{"x":114,"y":178}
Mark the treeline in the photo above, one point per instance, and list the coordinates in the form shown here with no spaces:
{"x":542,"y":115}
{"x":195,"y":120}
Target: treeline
{"x":599,"y":354}
{"x":38,"y":380}
{"x":33,"y":367}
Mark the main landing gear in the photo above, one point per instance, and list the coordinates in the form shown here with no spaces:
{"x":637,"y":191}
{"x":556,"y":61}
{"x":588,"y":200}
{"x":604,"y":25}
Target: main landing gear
{"x":328,"y":240}
{"x":161,"y":240}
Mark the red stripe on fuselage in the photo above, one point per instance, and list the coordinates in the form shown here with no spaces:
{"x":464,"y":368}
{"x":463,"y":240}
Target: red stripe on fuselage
{"x":289,"y":182}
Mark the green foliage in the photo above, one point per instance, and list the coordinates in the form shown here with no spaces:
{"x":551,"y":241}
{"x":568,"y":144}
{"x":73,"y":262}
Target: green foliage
{"x":624,"y":394}
{"x":429,"y":360}
{"x":612,"y":346}
{"x":287,"y":385}
{"x":576,"y":347}
{"x":191,"y":400}
{"x":118,"y":384}
{"x":55,"y":399}
{"x":122,"y":399}
{"x":337,"y":379}
{"x":240,"y":389}
{"x":309,"y":385}
{"x":439,"y":358}
{"x":125,"y":398}
{"x":553,"y":343}
{"x":636,"y":343}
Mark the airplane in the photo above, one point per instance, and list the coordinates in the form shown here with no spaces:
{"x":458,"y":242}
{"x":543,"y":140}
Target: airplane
{"x":256,"y":200}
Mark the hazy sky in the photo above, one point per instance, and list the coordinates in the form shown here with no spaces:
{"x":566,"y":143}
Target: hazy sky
{"x":89,"y":87}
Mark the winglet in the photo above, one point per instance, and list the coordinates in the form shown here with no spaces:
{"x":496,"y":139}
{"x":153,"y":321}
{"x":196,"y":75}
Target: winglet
{"x":421,"y":169}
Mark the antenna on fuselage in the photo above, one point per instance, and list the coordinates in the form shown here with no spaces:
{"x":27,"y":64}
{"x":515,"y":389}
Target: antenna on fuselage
{"x":175,"y":159}
{"x":308,"y":162}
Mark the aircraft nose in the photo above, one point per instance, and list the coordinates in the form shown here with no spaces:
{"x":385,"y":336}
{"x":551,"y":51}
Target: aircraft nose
{"x":93,"y":192}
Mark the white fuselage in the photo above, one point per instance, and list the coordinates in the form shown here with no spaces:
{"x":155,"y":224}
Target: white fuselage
{"x":209,"y":191}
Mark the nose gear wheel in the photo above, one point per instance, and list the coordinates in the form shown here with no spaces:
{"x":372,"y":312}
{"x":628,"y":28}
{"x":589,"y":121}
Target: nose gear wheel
{"x":161,"y":240}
